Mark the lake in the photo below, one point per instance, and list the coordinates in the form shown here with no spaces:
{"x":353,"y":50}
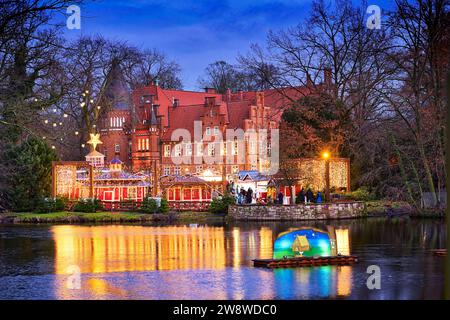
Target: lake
{"x":214,"y":261}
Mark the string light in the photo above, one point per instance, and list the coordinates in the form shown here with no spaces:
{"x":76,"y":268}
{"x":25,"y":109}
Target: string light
{"x":83,"y":145}
{"x":53,"y":147}
{"x":54,"y":124}
{"x":92,"y":100}
{"x":76,"y":133}
{"x":87,"y":91}
{"x":46,"y":121}
{"x":65,"y":115}
{"x":60,"y":123}
{"x":82,"y":104}
{"x":98,"y":107}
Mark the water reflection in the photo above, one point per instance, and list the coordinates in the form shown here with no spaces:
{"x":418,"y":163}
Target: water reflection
{"x":214,"y":262}
{"x":116,"y":249}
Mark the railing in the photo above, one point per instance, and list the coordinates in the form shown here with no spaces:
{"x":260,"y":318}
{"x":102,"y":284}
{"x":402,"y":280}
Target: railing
{"x":189,"y":205}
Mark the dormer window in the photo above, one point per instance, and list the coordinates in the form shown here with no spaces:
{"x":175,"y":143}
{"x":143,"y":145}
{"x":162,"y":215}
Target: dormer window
{"x":208,"y":131}
{"x":216,"y":130}
{"x":176,"y":102}
{"x":147,"y":98}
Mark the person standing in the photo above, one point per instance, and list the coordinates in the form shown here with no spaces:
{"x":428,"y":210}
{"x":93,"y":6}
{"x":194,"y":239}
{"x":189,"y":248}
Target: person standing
{"x":249,"y":195}
{"x":319,"y":197}
{"x":280,"y":198}
{"x":309,"y":195}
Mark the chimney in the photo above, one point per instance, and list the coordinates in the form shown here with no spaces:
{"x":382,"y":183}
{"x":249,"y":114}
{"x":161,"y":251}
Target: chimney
{"x":210,"y":101}
{"x":327,"y":76}
{"x":210,"y":90}
{"x":228,"y":94}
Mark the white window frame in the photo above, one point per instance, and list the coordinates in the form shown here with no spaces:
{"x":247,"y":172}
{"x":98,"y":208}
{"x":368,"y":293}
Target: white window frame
{"x":167,"y":150}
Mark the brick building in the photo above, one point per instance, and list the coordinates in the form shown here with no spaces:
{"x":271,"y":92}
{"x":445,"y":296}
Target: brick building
{"x":142,"y":129}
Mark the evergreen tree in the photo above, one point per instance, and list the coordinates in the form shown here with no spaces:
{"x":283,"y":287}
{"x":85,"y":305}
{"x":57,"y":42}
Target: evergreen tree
{"x":29,"y":179}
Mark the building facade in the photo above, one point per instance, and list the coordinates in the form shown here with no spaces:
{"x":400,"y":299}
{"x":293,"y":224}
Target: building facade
{"x":212,"y":136}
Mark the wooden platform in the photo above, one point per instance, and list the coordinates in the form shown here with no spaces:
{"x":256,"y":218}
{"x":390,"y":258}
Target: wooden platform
{"x":305,"y":262}
{"x":439,"y":252}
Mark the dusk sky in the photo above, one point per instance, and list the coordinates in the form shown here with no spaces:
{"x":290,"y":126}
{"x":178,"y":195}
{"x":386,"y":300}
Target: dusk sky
{"x":194,"y":33}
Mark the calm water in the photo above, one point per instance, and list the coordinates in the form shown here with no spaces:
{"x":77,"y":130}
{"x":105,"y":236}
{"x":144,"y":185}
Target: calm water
{"x":214,"y":262}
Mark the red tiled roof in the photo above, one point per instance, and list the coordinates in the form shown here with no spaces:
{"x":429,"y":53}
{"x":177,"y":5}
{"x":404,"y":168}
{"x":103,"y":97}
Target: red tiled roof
{"x":235,"y":107}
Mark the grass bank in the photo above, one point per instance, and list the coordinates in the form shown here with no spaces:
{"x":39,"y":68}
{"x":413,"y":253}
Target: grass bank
{"x":67,"y":217}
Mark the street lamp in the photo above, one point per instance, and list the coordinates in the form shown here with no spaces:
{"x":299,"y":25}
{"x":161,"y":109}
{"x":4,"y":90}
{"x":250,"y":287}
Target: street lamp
{"x":326,"y":156}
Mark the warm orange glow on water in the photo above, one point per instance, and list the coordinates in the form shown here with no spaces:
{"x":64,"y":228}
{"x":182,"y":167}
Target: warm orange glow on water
{"x":344,"y":280}
{"x":343,"y":242}
{"x":135,"y":248}
{"x":113,"y":254}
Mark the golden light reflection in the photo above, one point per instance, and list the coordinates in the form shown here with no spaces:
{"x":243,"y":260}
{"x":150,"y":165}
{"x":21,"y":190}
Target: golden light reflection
{"x":342,"y":242}
{"x":135,"y":248}
{"x":344,"y":280}
{"x":107,"y":249}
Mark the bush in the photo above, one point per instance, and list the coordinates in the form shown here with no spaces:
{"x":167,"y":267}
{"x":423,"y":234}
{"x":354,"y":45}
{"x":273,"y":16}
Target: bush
{"x":361,"y":194}
{"x":47,"y":205}
{"x":88,"y":205}
{"x":164,"y":206}
{"x":149,"y":205}
{"x":220,"y":205}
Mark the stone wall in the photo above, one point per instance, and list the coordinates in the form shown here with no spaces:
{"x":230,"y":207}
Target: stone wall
{"x":298,"y":212}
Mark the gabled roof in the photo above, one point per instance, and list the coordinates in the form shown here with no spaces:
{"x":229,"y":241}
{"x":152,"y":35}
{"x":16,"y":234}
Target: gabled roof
{"x":253,"y":175}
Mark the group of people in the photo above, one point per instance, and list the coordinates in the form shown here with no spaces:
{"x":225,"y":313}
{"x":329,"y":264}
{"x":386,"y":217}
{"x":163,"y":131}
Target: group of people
{"x":245,"y":196}
{"x":248,"y":196}
{"x":309,"y":197}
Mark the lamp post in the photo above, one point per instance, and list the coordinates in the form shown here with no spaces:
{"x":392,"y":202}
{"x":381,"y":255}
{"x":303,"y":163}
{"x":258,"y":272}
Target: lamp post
{"x":326,"y":157}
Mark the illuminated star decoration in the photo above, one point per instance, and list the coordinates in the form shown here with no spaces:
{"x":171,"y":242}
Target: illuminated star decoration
{"x":95,"y":140}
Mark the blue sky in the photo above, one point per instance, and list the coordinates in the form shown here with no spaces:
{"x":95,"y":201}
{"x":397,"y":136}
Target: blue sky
{"x":194,"y":33}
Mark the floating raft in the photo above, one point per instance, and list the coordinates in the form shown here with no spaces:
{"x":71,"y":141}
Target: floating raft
{"x":305,"y":262}
{"x":439,"y":252}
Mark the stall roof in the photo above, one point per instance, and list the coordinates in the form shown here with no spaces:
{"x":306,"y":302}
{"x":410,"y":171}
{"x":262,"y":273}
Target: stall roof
{"x":254,"y":175}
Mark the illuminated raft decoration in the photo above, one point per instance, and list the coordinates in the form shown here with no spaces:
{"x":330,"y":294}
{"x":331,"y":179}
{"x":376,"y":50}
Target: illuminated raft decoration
{"x":306,"y":242}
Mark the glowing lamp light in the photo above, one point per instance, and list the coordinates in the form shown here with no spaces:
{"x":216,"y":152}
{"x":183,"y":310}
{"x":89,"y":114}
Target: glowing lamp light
{"x":65,"y":115}
{"x":53,"y":147}
{"x":82,"y":104}
{"x":83,"y":145}
{"x":54,"y":124}
{"x":92,"y":100}
{"x":76,"y":133}
{"x":60,"y":123}
{"x":326,"y":155}
{"x":45,"y":121}
{"x":98,"y":107}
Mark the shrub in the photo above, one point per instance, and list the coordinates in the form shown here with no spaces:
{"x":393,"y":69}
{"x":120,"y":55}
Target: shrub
{"x":88,"y":205}
{"x":149,"y":205}
{"x":220,"y":205}
{"x":361,"y":194}
{"x":164,"y":206}
{"x":47,"y":205}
